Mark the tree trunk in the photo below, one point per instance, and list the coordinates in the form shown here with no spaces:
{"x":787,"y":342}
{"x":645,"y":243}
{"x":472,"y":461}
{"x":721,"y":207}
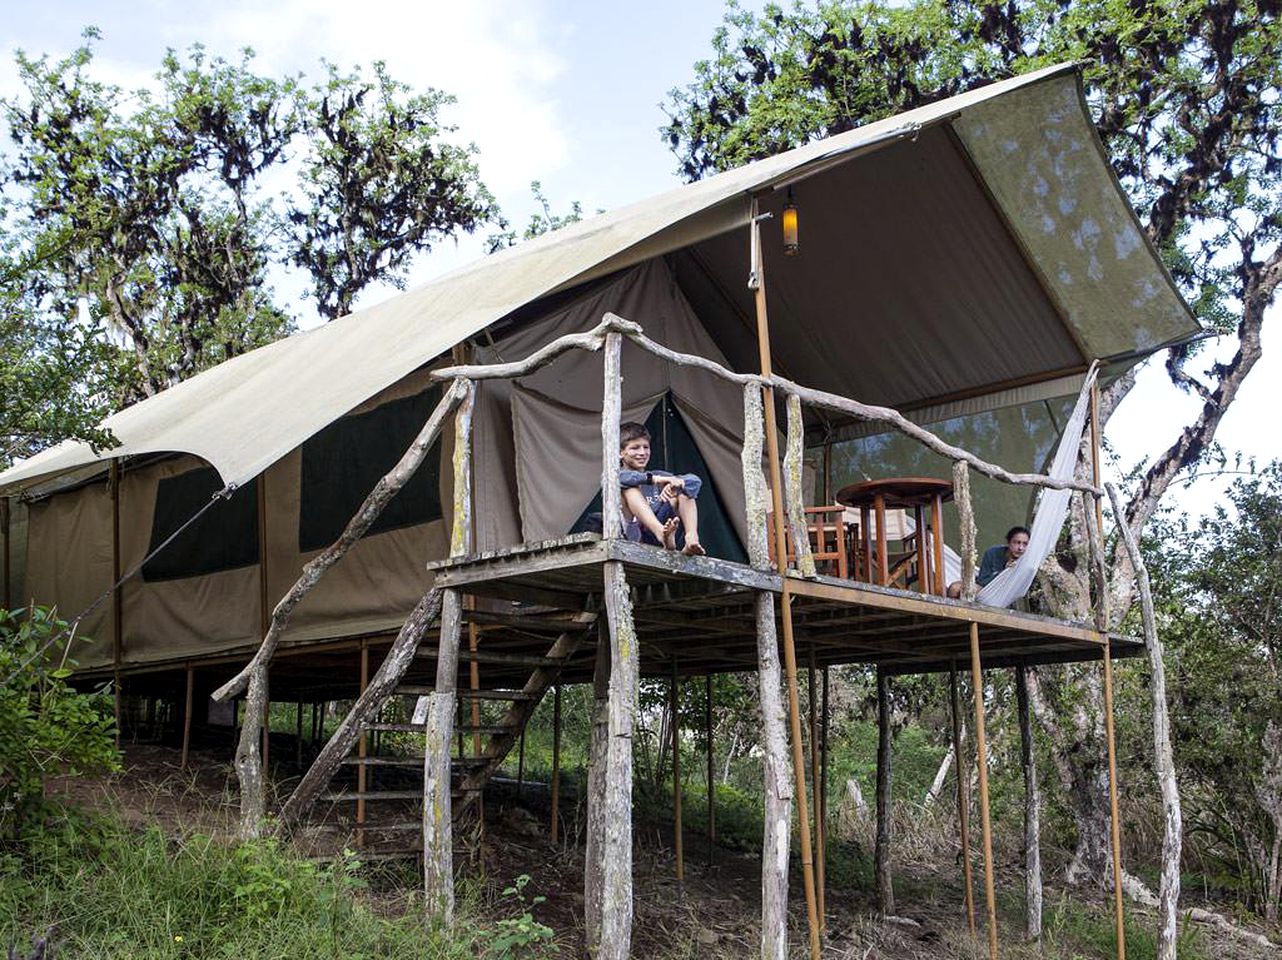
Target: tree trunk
{"x":593,"y":868}
{"x":937,"y":785}
{"x":438,"y":833}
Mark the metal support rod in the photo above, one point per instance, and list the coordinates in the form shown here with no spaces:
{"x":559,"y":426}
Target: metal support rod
{"x":817,"y":797}
{"x":676,"y":774}
{"x":520,"y":767}
{"x":785,"y":599}
{"x":963,"y":795}
{"x":981,"y":748}
{"x":556,"y":763}
{"x":712,"y":774}
{"x":822,"y":824}
{"x":190,"y":702}
{"x":5,"y":522}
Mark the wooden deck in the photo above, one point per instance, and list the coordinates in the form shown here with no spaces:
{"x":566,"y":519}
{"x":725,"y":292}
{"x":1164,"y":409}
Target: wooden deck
{"x":698,"y":613}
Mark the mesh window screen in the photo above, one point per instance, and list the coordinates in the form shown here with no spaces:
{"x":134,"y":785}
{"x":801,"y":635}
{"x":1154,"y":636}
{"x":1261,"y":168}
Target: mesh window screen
{"x":341,"y":464}
{"x":224,"y":538}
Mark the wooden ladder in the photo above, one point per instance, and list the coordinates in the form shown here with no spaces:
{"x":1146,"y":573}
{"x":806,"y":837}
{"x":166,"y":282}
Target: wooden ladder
{"x":470,"y":773}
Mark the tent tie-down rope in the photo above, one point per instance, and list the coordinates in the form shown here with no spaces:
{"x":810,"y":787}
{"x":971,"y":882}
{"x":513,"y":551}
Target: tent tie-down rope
{"x":69,"y":631}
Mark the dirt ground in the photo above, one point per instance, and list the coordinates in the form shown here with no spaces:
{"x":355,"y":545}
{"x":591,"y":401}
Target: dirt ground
{"x":713,"y":913}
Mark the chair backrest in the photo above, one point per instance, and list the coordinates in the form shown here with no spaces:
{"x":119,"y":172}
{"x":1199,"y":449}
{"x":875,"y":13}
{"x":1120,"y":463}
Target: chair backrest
{"x":827,"y":527}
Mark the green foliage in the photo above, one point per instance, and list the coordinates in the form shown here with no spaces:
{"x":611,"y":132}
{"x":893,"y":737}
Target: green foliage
{"x":379,"y":184}
{"x":109,"y":892}
{"x":46,"y":726}
{"x":137,"y":233}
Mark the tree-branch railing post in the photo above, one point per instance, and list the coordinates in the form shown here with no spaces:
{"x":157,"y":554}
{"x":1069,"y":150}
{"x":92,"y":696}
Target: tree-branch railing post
{"x":966,"y":518}
{"x":438,"y":840}
{"x":794,"y":501}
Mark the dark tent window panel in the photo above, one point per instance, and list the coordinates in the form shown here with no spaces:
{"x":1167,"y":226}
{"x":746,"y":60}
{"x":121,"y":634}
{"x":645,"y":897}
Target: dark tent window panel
{"x":672,"y":448}
{"x":342,"y":463}
{"x":223,"y":538}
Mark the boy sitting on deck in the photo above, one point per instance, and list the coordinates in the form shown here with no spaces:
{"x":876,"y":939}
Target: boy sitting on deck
{"x":655,"y":504}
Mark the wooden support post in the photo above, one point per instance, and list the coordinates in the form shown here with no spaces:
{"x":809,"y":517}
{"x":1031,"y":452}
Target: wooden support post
{"x":963,"y":794}
{"x":556,"y":763}
{"x":817,"y":792}
{"x":981,"y":748}
{"x":616,"y":848}
{"x":598,"y":748}
{"x":778,"y":787}
{"x":190,"y":703}
{"x":362,"y":751}
{"x":758,"y":284}
{"x":712,"y":773}
{"x":883,"y":558}
{"x":881,"y":854}
{"x":675,"y":707}
{"x":5,"y":522}
{"x":316,"y":722}
{"x":822,"y":789}
{"x":474,"y":678}
{"x":937,"y":542}
{"x":1032,"y":815}
{"x":520,"y":766}
{"x":438,"y":838}
{"x":794,"y":500}
{"x":117,"y":601}
{"x":966,"y":515}
{"x":611,"y":414}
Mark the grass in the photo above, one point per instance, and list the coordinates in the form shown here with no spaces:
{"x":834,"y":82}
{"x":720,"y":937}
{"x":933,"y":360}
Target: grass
{"x":108,"y":892}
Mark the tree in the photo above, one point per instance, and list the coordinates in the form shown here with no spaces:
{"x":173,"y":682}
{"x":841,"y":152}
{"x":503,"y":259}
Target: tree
{"x":1185,"y":96}
{"x":379,"y":185}
{"x":150,"y":207}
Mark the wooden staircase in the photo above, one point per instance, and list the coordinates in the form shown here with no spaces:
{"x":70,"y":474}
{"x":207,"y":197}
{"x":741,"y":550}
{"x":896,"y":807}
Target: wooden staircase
{"x":470,"y":774}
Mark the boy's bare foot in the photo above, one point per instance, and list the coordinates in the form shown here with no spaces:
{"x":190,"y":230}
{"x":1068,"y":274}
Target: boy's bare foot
{"x":670,"y":533}
{"x":694,"y":548}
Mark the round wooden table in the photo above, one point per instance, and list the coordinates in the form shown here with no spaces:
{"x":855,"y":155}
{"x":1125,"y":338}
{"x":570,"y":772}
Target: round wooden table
{"x":874,"y":497}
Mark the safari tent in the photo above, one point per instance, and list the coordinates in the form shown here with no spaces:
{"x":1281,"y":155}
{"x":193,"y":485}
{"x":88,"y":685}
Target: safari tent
{"x":970,"y":257}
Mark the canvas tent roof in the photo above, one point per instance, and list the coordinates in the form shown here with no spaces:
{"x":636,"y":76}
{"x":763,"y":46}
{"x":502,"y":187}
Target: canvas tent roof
{"x":981,"y":242}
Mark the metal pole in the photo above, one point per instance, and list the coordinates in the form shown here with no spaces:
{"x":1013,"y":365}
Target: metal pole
{"x":191,"y":697}
{"x":758,"y":283}
{"x":981,"y":747}
{"x":817,"y":799}
{"x":712,"y":783}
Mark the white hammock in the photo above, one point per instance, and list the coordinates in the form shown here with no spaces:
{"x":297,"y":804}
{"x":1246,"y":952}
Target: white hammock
{"x":1013,"y":582}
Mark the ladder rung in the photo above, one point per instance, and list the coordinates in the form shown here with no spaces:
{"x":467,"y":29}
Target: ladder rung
{"x":413,"y":690}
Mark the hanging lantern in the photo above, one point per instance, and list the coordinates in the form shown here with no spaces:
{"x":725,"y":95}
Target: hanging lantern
{"x":790,"y":245}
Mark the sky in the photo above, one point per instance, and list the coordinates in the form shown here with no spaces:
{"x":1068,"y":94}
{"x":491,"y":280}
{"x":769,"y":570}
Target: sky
{"x":565,"y":92}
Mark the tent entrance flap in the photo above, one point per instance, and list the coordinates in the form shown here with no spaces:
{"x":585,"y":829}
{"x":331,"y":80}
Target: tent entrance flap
{"x":673,"y":449}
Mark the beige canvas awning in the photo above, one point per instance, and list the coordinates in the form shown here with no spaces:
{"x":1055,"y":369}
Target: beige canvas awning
{"x":995,"y":253}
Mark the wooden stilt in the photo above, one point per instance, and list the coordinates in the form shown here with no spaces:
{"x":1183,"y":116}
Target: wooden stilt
{"x":963,"y":795}
{"x":5,"y":522}
{"x":267,"y":732}
{"x":981,"y":747}
{"x":778,"y":787}
{"x":712,"y":773}
{"x":362,"y":751}
{"x":438,"y":834}
{"x":758,"y":284}
{"x":881,"y":855}
{"x":822,"y":823}
{"x":556,"y":763}
{"x":520,"y":767}
{"x":474,"y":677}
{"x":616,"y":891}
{"x":817,"y":795}
{"x":598,"y":748}
{"x":676,"y":774}
{"x":190,"y":703}
{"x":1032,"y":839}
{"x":117,"y":602}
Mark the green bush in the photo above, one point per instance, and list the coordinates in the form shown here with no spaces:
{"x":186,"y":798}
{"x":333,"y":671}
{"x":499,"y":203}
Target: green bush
{"x":46,"y":726}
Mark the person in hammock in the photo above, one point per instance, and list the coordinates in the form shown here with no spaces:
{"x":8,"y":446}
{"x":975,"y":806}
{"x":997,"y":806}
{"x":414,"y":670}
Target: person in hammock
{"x":659,"y":508}
{"x":996,"y":559}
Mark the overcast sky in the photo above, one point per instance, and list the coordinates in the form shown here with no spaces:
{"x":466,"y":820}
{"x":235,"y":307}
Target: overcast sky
{"x":567,"y":93}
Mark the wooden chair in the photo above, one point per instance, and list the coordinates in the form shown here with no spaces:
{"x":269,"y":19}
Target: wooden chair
{"x":829,"y":540}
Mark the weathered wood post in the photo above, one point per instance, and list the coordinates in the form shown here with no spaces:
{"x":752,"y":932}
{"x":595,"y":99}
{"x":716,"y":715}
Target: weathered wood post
{"x":966,"y":516}
{"x":190,"y":703}
{"x":1032,"y":813}
{"x":816,"y":798}
{"x":438,"y":834}
{"x":777,"y":782}
{"x":881,"y":853}
{"x":794,"y":502}
{"x":963,"y":794}
{"x":981,"y":749}
{"x":599,"y":741}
